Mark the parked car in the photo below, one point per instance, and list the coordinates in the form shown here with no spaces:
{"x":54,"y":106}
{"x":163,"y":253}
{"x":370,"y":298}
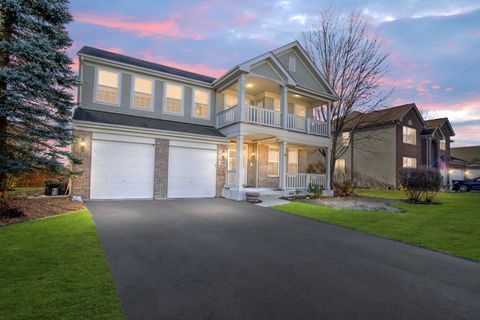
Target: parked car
{"x":467,"y":185}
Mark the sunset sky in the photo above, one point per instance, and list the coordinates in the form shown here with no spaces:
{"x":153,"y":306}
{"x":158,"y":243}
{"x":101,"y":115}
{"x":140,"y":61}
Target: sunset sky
{"x":434,"y":45}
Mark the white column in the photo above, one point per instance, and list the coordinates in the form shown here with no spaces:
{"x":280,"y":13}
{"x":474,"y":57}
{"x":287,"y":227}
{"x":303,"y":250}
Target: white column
{"x":239,"y":173}
{"x":283,"y":164}
{"x":284,"y":105}
{"x":241,"y":97}
{"x":329,"y":119}
{"x":327,"y":166}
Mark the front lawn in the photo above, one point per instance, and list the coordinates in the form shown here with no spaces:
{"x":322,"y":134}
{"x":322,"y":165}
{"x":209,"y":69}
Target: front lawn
{"x":55,"y":268}
{"x":452,"y":225}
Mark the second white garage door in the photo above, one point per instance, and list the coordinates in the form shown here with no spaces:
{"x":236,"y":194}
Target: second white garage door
{"x":191,"y":170}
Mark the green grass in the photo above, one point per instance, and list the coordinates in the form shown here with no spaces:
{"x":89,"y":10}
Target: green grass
{"x":452,"y":225}
{"x":55,"y":268}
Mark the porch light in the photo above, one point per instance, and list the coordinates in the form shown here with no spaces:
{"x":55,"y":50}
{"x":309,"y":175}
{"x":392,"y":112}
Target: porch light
{"x":249,"y":85}
{"x":82,"y":145}
{"x":253,"y":154}
{"x":296,"y":95}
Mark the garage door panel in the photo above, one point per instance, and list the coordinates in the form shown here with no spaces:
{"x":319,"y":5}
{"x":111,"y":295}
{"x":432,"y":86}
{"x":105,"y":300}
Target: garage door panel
{"x":192,"y":173}
{"x":122,"y":170}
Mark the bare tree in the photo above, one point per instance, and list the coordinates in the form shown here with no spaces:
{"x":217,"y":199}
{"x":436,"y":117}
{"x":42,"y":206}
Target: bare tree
{"x":353,"y":60}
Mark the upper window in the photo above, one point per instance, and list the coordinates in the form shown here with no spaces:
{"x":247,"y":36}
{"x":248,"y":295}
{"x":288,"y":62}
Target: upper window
{"x":230,"y":101}
{"x":143,"y":93}
{"x":292,"y":161}
{"x":201,"y":103}
{"x":409,"y":162}
{"x":340,"y":166}
{"x":174,"y":99}
{"x":299,"y":110}
{"x":345,"y":139}
{"x":443,"y":145}
{"x":292,"y":63}
{"x":107,"y":86}
{"x":273,"y":160}
{"x":409,"y":135}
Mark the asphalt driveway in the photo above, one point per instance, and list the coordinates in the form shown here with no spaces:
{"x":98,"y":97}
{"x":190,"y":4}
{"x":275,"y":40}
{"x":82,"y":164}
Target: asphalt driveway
{"x":218,"y":259}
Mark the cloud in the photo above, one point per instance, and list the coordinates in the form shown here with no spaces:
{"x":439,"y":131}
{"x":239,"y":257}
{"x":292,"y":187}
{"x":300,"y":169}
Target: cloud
{"x":169,"y":27}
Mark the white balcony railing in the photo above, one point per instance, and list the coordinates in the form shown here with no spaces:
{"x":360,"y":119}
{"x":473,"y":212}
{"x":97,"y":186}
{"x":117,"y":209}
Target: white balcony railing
{"x":302,"y":180}
{"x":272,"y":118}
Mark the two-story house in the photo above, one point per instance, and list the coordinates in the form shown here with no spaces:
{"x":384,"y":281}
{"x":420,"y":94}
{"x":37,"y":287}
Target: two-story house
{"x":147,"y":130}
{"x":382,"y":142}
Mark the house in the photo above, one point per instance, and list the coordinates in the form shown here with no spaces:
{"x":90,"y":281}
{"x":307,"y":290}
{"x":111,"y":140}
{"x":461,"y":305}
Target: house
{"x":467,"y":160}
{"x":378,"y":144}
{"x":150,"y":131}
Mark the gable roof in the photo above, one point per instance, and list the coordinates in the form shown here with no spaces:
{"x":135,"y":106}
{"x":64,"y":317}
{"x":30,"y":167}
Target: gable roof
{"x":438,"y":123}
{"x":379,"y":117}
{"x":103,"y":54}
{"x":81,"y":114}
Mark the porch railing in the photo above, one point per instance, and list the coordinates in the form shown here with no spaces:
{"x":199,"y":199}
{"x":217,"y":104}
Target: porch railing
{"x":272,"y":118}
{"x":227,"y":117}
{"x":302,"y":180}
{"x":230,"y":178}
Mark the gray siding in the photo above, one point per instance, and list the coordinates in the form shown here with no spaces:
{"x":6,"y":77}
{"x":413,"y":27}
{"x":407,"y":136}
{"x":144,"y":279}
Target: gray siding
{"x":87,"y":98}
{"x":265,"y":70}
{"x":301,"y":75}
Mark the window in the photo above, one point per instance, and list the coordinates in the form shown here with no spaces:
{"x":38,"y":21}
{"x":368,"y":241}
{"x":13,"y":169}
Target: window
{"x":276,"y":104}
{"x":299,"y":110}
{"x":292,"y":161}
{"x":201,"y":103}
{"x":292,"y":63}
{"x":142,"y":93}
{"x":273,"y":157}
{"x":409,"y":135}
{"x":230,"y":101}
{"x":409,"y":162}
{"x":443,"y":145}
{"x":345,"y":139}
{"x":174,"y":99}
{"x":340,"y":166}
{"x":232,"y":158}
{"x":107,"y":86}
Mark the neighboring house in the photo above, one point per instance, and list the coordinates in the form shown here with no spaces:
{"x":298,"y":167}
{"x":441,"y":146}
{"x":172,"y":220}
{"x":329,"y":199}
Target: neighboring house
{"x":467,"y":160}
{"x":382,"y":142}
{"x":147,"y":130}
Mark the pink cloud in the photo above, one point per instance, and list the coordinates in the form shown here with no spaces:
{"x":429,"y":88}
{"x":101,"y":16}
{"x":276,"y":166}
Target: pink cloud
{"x":245,"y":19}
{"x":169,"y":27}
{"x":196,"y":67}
{"x":448,"y":89}
{"x":436,"y":86}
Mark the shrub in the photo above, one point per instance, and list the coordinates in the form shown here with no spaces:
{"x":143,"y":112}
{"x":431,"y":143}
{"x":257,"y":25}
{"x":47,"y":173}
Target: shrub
{"x":8,"y":209}
{"x":421,"y":184}
{"x":343,"y":185}
{"x":315,"y":190}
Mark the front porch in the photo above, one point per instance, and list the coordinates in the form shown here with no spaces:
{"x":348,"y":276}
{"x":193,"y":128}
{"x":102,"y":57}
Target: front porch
{"x":271,"y":167}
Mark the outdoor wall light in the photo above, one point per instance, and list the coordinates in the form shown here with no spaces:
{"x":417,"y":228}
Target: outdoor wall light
{"x":223,"y":155}
{"x":82,"y":145}
{"x":249,"y":85}
{"x":253,"y":154}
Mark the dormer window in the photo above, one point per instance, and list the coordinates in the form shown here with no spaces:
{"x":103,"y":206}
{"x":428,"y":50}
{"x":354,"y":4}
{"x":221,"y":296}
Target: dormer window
{"x":292,"y":63}
{"x":443,"y":145}
{"x":107,"y":87}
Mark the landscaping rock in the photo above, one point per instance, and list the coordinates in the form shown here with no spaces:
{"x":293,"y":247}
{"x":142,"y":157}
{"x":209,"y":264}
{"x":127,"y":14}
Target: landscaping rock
{"x":358,"y":203}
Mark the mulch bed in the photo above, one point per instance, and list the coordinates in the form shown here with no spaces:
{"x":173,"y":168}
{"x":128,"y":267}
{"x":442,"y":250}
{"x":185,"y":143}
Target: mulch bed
{"x":41,"y":207}
{"x":357,"y":203}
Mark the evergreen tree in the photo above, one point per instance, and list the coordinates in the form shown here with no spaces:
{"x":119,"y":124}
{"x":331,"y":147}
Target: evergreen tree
{"x":36,"y":82}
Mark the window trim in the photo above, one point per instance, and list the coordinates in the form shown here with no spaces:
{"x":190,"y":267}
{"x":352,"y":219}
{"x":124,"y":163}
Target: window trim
{"x":410,"y":158}
{"x":132,"y":93}
{"x":403,"y":135}
{"x":182,"y":111}
{"x":209,"y":104}
{"x":288,"y":159}
{"x":278,"y":162}
{"x":119,"y":86}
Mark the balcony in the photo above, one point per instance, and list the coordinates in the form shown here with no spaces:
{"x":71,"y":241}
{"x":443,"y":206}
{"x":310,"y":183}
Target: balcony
{"x":274,"y":119}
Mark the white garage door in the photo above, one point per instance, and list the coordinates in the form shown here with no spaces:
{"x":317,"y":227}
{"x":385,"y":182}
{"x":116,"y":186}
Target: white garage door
{"x":191,"y":170}
{"x":122,"y":170}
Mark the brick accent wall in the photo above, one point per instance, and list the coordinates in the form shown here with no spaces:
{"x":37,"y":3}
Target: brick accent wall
{"x":81,"y":184}
{"x":222,"y":152}
{"x":161,"y":168}
{"x":264,"y":181}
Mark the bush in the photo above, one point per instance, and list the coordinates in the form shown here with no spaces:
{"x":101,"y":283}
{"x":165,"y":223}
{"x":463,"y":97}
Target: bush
{"x":421,"y":184}
{"x":8,"y":210}
{"x":343,"y":185}
{"x":315,"y":190}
